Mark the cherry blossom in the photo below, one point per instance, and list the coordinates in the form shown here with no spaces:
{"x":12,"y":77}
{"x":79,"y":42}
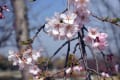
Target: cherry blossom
{"x":27,"y":59}
{"x":2,"y":8}
{"x":62,"y":26}
{"x":68,"y":17}
{"x":13,"y":57}
{"x":75,"y":68}
{"x":68,"y":70}
{"x":81,"y":9}
{"x":54,"y":26}
{"x":35,"y":56}
{"x":104,"y":74}
{"x":79,"y":3}
{"x":100,"y":41}
{"x":34,"y":70}
{"x":92,"y":33}
{"x":66,"y":25}
{"x":82,"y":16}
{"x":96,"y":39}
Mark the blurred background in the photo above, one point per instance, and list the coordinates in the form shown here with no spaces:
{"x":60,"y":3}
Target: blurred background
{"x":36,"y":13}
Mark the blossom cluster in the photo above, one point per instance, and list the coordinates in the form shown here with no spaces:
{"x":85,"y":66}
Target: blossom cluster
{"x":77,"y":69}
{"x":104,"y":74}
{"x":96,"y":39}
{"x":28,"y":59}
{"x":66,"y":25}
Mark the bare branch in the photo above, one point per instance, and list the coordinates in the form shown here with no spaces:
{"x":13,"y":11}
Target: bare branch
{"x":106,"y":20}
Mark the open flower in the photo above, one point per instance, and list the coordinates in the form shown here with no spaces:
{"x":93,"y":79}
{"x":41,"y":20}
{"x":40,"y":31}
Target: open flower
{"x":13,"y":57}
{"x":71,"y":30}
{"x":30,"y":56}
{"x":27,"y":59}
{"x":97,"y":39}
{"x":82,"y":16}
{"x":62,"y":26}
{"x":54,"y":27}
{"x":68,"y":17}
{"x":104,"y":74}
{"x":35,"y":56}
{"x":92,"y":33}
{"x":75,"y":68}
{"x":34,"y":70}
{"x":100,"y":41}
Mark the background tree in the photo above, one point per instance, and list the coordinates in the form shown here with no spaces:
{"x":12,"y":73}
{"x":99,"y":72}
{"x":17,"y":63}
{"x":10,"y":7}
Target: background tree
{"x":21,"y":28}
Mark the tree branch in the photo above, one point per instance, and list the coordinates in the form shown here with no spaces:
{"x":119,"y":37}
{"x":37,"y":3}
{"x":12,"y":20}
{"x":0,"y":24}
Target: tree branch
{"x":112,"y":21}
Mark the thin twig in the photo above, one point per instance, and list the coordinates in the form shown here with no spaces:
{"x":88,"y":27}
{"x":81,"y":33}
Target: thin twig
{"x":62,"y":47}
{"x":106,"y":20}
{"x":75,"y":48}
{"x":105,"y":62}
{"x":83,"y":54}
{"x":39,"y":30}
{"x":67,"y":56}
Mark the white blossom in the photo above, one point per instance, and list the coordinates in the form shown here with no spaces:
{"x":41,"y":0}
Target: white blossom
{"x":68,"y":17}
{"x":74,"y":68}
{"x":104,"y":74}
{"x":35,"y":56}
{"x":34,"y":70}
{"x":62,"y":26}
{"x":68,"y":70}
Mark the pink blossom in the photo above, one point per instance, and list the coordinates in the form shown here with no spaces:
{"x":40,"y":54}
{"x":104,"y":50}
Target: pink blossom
{"x":28,"y":59}
{"x":88,"y":39}
{"x":35,"y":56}
{"x":62,"y":26}
{"x":105,"y":74}
{"x":68,"y":17}
{"x":100,"y":41}
{"x":34,"y":70}
{"x":79,"y":3}
{"x":74,"y":68}
{"x":92,"y":33}
{"x":13,"y":57}
{"x":77,"y":68}
{"x":68,"y":70}
{"x":102,"y":36}
{"x":82,"y":16}
{"x":30,"y":56}
{"x":96,"y":39}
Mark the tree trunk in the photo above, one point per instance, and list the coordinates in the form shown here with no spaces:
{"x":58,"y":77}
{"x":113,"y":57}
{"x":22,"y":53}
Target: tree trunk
{"x":21,"y":27}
